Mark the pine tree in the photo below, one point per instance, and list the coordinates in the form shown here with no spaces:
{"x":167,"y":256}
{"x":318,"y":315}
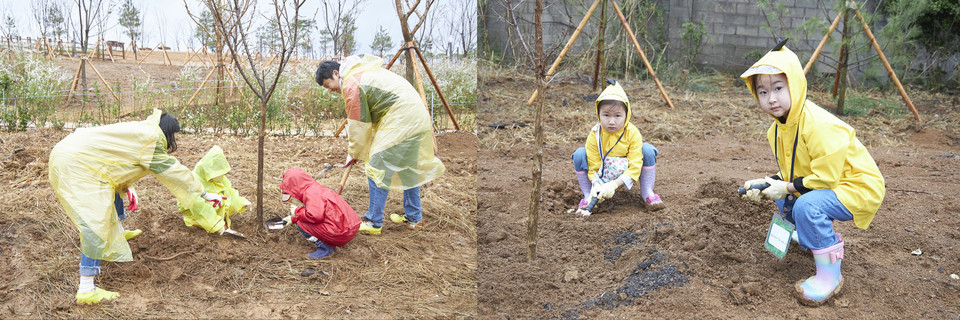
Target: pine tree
{"x":381,"y":41}
{"x":130,"y":20}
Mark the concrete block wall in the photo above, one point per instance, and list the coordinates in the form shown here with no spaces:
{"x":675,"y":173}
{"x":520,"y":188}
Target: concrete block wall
{"x":733,"y":28}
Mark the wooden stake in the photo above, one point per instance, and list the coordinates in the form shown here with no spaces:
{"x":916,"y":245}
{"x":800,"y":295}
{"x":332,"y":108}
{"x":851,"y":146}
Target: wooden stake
{"x":104,"y":81}
{"x":76,"y":80}
{"x":896,"y":81}
{"x":643,"y":56}
{"x":202,"y":84}
{"x":164,"y":48}
{"x":340,"y":129}
{"x":145,"y":57}
{"x":822,"y":42}
{"x":576,"y":32}
{"x":436,"y":86}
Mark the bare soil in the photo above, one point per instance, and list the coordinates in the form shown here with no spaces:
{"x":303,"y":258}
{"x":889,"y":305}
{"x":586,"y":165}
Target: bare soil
{"x":703,"y":256}
{"x":183,"y":272}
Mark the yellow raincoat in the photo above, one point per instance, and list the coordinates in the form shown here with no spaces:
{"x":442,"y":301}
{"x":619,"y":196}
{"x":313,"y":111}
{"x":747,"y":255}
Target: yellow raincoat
{"x":90,"y":165}
{"x":388,"y":125}
{"x":629,"y":146}
{"x":829,"y":155}
{"x":213,"y":165}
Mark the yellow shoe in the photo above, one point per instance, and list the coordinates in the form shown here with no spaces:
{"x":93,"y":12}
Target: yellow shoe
{"x":96,"y":296}
{"x":368,"y":228}
{"x":129,"y":234}
{"x":403,"y":219}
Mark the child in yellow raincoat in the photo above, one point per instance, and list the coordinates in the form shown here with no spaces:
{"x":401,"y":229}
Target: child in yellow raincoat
{"x":211,"y":172}
{"x":825,"y":173}
{"x":390,"y":129}
{"x":615,"y":154}
{"x":89,"y":167}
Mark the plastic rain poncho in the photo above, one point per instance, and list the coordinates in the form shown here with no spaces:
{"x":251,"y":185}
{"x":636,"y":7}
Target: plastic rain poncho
{"x":211,"y":172}
{"x":388,"y":125}
{"x":829,"y":155}
{"x":90,"y":165}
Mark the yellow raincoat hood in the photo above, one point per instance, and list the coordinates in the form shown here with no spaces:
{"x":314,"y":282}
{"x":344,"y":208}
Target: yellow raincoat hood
{"x":90,"y":165}
{"x":388,"y":125}
{"x":828,"y":154}
{"x":626,"y":142}
{"x":214,"y":164}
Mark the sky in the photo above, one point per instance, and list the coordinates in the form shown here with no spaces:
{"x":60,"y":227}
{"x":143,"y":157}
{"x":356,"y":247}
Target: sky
{"x":167,"y":21}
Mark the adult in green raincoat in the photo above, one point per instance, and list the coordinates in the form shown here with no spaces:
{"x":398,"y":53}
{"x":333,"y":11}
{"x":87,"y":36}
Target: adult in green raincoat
{"x":825,"y":173}
{"x":389,"y":128}
{"x":91,"y":165}
{"x":211,"y":172}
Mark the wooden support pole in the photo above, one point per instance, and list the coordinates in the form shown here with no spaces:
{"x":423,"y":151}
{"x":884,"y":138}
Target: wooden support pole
{"x":145,"y":57}
{"x":202,"y":84}
{"x":164,"y":48}
{"x":436,"y":86}
{"x":842,"y":65}
{"x":107,"y":84}
{"x":822,"y":42}
{"x":556,"y":63}
{"x":76,"y":80}
{"x":396,"y":56}
{"x":896,"y":81}
{"x":643,"y":56}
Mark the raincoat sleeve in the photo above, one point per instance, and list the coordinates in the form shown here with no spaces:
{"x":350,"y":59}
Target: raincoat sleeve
{"x":312,"y":212}
{"x":360,"y":128}
{"x":634,"y":156}
{"x":593,"y":155}
{"x":173,"y":175}
{"x":827,"y":147}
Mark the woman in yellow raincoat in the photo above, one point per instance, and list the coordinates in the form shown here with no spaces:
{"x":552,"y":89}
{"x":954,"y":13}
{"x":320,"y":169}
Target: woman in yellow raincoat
{"x":389,"y":128}
{"x":90,"y":166}
{"x":211,"y":171}
{"x":825,"y":174}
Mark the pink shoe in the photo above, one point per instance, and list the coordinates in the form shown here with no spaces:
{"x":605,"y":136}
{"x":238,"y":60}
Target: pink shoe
{"x":583,"y":203}
{"x":653,"y":201}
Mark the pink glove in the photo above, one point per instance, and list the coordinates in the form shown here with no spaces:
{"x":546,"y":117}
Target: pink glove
{"x":215,"y":198}
{"x":132,"y":198}
{"x":350,"y":161}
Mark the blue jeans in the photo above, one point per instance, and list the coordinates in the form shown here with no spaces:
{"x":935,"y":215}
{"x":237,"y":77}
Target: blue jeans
{"x":580,"y":157}
{"x":813,"y":214}
{"x":89,"y":266}
{"x":378,"y":200}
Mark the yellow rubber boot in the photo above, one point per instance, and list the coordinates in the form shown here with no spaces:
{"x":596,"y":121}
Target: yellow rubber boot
{"x":369,"y":228}
{"x":96,"y":296}
{"x":399,"y":218}
{"x":129,"y":234}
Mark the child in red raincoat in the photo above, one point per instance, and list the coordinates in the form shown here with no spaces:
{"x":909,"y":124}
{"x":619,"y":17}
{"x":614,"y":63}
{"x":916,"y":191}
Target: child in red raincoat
{"x":324,"y":219}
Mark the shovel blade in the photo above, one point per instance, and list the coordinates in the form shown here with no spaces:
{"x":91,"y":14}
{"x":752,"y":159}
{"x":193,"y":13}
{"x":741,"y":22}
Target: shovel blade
{"x":234,"y":232}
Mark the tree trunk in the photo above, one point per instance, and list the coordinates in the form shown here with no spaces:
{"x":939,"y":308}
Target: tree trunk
{"x":535,"y":195}
{"x":845,"y":49}
{"x":262,"y":134}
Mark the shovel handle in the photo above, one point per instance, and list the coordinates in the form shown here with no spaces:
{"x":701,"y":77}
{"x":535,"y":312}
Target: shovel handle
{"x":593,"y":202}
{"x":343,"y":180}
{"x":759,"y":186}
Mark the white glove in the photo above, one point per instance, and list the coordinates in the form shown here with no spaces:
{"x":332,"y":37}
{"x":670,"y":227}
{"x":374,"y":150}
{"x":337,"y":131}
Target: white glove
{"x":749,"y":183}
{"x":246,"y":203}
{"x":293,"y":209}
{"x":217,"y":199}
{"x":604,"y":191}
{"x":777,"y":189}
{"x":288,"y":219}
{"x":752,"y":194}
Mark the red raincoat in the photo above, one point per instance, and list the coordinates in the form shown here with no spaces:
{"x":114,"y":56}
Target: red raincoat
{"x":324,"y":214}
